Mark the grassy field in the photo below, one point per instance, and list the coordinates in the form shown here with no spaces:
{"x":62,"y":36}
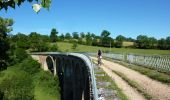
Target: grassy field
{"x":128,"y":44}
{"x":67,"y":47}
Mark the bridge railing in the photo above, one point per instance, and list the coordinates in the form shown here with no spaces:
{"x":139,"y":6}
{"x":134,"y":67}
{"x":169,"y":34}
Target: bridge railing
{"x":73,"y":61}
{"x":161,"y":63}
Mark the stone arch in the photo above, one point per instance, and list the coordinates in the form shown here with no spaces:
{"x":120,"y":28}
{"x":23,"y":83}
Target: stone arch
{"x":51,"y":64}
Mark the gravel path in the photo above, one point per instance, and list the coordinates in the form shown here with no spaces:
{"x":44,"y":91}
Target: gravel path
{"x":131,"y":93}
{"x":156,"y":89}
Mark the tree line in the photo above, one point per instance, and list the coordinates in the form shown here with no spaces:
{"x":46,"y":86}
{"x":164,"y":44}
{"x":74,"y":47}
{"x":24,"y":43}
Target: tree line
{"x":105,"y":40}
{"x":11,"y":45}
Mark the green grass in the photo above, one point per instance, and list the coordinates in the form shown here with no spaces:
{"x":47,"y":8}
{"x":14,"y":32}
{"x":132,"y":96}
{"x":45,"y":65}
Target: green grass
{"x":40,"y":94}
{"x":67,"y":47}
{"x":46,"y":86}
{"x":154,"y":74}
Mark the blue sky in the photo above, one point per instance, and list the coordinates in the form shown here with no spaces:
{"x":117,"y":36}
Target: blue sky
{"x":129,"y":18}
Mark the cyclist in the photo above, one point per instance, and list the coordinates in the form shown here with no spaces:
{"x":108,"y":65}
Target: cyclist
{"x":99,"y":53}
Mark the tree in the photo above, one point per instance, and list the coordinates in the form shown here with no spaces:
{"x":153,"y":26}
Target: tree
{"x":119,"y":41}
{"x":152,"y":42}
{"x":12,"y":3}
{"x":5,"y":27}
{"x":142,"y":42}
{"x":19,"y":54}
{"x":62,"y":37}
{"x":105,"y":33}
{"x":75,"y":45}
{"x":53,"y":48}
{"x":53,"y":35}
{"x":168,"y":42}
{"x":162,"y":44}
{"x":37,"y":43}
{"x":75,"y":35}
{"x":21,"y":40}
{"x":68,"y":36}
{"x":88,"y":39}
{"x":82,"y":35}
{"x":105,"y":39}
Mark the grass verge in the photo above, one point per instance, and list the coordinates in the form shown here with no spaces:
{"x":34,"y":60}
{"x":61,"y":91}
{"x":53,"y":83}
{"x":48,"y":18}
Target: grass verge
{"x":113,"y":85}
{"x":134,"y":85}
{"x":153,"y":74}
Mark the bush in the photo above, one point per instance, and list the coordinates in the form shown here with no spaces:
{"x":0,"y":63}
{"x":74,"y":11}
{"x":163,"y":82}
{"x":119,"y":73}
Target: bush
{"x":19,"y":55}
{"x":75,"y":45}
{"x":48,"y":82}
{"x":30,"y":66}
{"x":53,"y":48}
{"x":17,"y":85}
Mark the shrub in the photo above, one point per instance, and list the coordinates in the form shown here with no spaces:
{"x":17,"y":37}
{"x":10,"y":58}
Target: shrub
{"x":53,"y":48}
{"x":75,"y":45}
{"x":19,"y":55}
{"x":17,"y":86}
{"x":30,"y":66}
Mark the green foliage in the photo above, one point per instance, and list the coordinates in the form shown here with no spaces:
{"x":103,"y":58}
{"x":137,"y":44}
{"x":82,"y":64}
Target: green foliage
{"x":62,"y":37}
{"x":88,"y":39}
{"x":37,"y":42}
{"x":105,"y":33}
{"x":48,"y":83}
{"x":19,"y":55}
{"x":30,"y":66}
{"x":5,"y":27}
{"x":53,"y":35}
{"x":68,"y":36}
{"x":82,"y":35}
{"x":12,"y":3}
{"x":142,"y":42}
{"x":162,"y":44}
{"x":119,"y":41}
{"x":75,"y":35}
{"x":17,"y":85}
{"x":105,"y":39}
{"x":75,"y":45}
{"x":53,"y":48}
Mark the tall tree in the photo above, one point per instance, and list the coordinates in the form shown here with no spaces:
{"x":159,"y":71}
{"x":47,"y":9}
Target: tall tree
{"x":152,"y":42}
{"x":105,"y":39}
{"x":162,"y":44}
{"x":68,"y":36}
{"x":168,"y":42}
{"x":88,"y":39}
{"x":62,"y":37}
{"x":5,"y":27}
{"x":142,"y":42}
{"x":37,"y":43}
{"x":53,"y":35}
{"x":105,"y":33}
{"x":82,"y":35}
{"x":75,"y":35}
{"x":119,"y":41}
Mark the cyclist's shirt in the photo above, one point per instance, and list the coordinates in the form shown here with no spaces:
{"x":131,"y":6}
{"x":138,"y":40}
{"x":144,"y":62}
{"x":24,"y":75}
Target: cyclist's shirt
{"x":99,"y":53}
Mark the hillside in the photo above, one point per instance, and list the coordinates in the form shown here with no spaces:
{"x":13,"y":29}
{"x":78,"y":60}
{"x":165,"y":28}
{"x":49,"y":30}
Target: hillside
{"x":67,"y":47}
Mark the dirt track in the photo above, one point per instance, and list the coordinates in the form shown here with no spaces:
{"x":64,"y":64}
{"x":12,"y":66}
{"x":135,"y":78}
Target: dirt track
{"x":156,"y":89}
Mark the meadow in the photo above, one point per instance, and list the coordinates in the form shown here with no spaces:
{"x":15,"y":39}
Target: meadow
{"x":67,"y":47}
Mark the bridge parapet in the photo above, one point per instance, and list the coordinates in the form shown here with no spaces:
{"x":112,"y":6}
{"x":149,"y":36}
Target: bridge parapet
{"x":75,"y":72}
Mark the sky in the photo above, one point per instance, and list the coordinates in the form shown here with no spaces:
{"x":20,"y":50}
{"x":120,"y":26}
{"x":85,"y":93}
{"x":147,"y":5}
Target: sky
{"x":129,"y":18}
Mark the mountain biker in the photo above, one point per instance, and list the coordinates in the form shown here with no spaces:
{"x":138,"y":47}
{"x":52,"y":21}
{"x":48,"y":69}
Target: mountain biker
{"x":99,"y":53}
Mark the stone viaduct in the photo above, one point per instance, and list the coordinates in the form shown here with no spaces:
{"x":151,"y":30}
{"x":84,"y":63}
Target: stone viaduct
{"x":75,"y":73}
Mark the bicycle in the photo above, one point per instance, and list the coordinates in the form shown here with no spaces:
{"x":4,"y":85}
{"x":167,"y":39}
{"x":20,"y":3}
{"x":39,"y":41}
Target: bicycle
{"x":99,"y":60}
